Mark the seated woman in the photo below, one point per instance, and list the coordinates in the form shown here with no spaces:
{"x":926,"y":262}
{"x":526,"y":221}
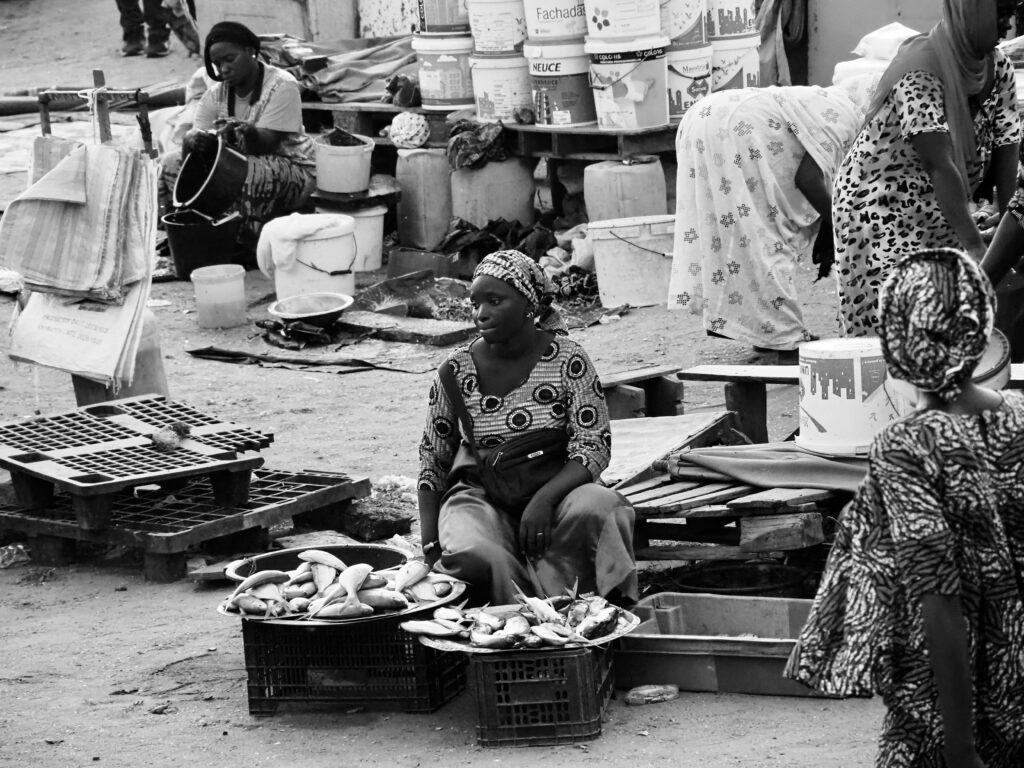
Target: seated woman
{"x":522,"y":374}
{"x":256,"y":107}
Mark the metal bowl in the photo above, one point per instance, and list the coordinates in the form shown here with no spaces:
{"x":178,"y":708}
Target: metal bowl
{"x":314,"y":308}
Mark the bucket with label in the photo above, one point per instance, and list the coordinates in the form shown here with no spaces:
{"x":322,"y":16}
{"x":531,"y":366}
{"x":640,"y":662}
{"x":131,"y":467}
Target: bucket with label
{"x":560,"y":82}
{"x":628,"y":78}
{"x":689,"y":77}
{"x":445,"y":17}
{"x":309,"y":253}
{"x":501,"y":85}
{"x":685,"y":21}
{"x":846,"y":396}
{"x":446,"y":82}
{"x":620,"y":19}
{"x":555,"y":20}
{"x":498,"y":26}
{"x":735,"y":62}
{"x":731,"y":18}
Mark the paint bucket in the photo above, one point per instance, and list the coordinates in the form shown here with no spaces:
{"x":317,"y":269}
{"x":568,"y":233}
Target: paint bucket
{"x":498,"y":26}
{"x":220,"y":295}
{"x":731,"y":18}
{"x":846,"y":396}
{"x":629,"y":79}
{"x":632,"y":259}
{"x":501,"y":85}
{"x":622,"y":19}
{"x":446,"y":82}
{"x":555,"y":20}
{"x":309,"y":253}
{"x":560,"y":83}
{"x":343,"y":168}
{"x":689,"y":77}
{"x":735,"y":62}
{"x":369,"y":233}
{"x":445,"y":17}
{"x":685,"y":21}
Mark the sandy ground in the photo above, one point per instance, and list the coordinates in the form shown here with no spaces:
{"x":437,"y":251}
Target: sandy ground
{"x":101,"y":667}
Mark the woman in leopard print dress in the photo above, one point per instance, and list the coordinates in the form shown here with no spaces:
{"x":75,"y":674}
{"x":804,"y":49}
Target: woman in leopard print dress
{"x":944,"y":113}
{"x":922,"y":600}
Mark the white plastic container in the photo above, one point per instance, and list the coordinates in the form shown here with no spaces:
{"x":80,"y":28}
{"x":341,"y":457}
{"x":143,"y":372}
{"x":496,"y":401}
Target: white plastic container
{"x":629,"y":79}
{"x":369,"y":233}
{"x":498,"y":26}
{"x":445,"y":17}
{"x":220,"y":295}
{"x":731,"y":18}
{"x":309,"y":253}
{"x":846,"y":397}
{"x":446,"y":82}
{"x":425,"y":206}
{"x":735,"y":62}
{"x":555,"y":20}
{"x":616,"y":190}
{"x":633,"y":259}
{"x":622,"y":19}
{"x":343,"y":169}
{"x":501,"y":84}
{"x":560,"y":83}
{"x":495,"y":190}
{"x":689,"y":77}
{"x":685,"y":21}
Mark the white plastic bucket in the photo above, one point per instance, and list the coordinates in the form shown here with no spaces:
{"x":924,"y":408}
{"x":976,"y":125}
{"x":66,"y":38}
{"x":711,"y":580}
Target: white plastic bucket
{"x":731,"y":18}
{"x":323,"y":261}
{"x":629,"y":78}
{"x":446,"y":82}
{"x":685,"y":21}
{"x":555,"y":19}
{"x":501,"y":84}
{"x":846,"y":396}
{"x":498,"y":26}
{"x":560,"y":82}
{"x":622,"y":19}
{"x":632,"y":258}
{"x":443,"y":16}
{"x":735,"y":62}
{"x":369,"y":233}
{"x":689,"y":77}
{"x":343,"y":169}
{"x":220,"y":295}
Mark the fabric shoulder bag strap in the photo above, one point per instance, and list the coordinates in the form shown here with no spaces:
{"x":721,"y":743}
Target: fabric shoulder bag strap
{"x":451,"y":388}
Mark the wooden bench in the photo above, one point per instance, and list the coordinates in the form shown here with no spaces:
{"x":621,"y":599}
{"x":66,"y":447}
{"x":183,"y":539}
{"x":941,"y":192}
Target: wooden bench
{"x":746,"y":390}
{"x":652,"y":391}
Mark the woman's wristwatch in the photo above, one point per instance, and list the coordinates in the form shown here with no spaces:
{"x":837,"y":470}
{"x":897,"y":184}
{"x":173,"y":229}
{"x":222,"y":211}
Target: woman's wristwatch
{"x":430,"y":546}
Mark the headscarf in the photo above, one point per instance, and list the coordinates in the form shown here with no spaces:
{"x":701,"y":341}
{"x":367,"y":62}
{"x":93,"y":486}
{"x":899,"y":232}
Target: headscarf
{"x":952,"y":51}
{"x":936,"y":312}
{"x":227,"y":32}
{"x":529,"y":278}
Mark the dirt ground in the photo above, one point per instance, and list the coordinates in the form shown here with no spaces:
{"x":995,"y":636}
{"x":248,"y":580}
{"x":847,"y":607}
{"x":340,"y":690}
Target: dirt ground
{"x":101,"y":667}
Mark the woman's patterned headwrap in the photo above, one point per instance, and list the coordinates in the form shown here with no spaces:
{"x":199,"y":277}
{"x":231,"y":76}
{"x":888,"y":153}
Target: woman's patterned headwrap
{"x":936,"y":314}
{"x":528,"y":277}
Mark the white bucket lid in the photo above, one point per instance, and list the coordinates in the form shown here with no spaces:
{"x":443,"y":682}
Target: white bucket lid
{"x":443,"y":44}
{"x":365,"y":213}
{"x":538,"y":49}
{"x":842,"y":347}
{"x":515,"y":61}
{"x":736,"y":41}
{"x":626,"y":44}
{"x":689,"y":51}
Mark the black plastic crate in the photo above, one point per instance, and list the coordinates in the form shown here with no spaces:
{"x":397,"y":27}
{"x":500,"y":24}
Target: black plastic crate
{"x":372,"y":664}
{"x":537,"y":698}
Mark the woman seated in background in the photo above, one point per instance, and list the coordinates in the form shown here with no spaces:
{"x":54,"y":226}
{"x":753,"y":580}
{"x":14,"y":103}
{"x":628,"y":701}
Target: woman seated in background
{"x":753,"y":198}
{"x":922,"y":599}
{"x":944,"y":112}
{"x":522,"y":374}
{"x":256,"y":108}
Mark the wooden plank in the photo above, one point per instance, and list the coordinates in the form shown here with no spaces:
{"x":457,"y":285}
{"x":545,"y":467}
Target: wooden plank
{"x":767,"y":374}
{"x":698,"y":552}
{"x":778,"y":498}
{"x":664,"y":396}
{"x":644,"y":485}
{"x":625,"y":402}
{"x":694,"y":492}
{"x":666,"y":506}
{"x":780,"y":532}
{"x":415,"y":330}
{"x":636,"y":375}
{"x":656,"y":493}
{"x":673,"y":529}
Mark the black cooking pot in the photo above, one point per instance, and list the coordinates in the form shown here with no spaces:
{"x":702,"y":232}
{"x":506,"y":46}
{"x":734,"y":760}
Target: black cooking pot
{"x":211,"y":188}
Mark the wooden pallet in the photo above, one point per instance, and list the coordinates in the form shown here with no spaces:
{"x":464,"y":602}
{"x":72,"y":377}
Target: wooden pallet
{"x":651,"y":391}
{"x":164,"y":525}
{"x":590,"y":142}
{"x":369,"y":119}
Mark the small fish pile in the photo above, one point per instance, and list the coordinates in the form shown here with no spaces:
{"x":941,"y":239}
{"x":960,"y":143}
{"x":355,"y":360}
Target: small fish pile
{"x":534,"y":623}
{"x":324,"y":587}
